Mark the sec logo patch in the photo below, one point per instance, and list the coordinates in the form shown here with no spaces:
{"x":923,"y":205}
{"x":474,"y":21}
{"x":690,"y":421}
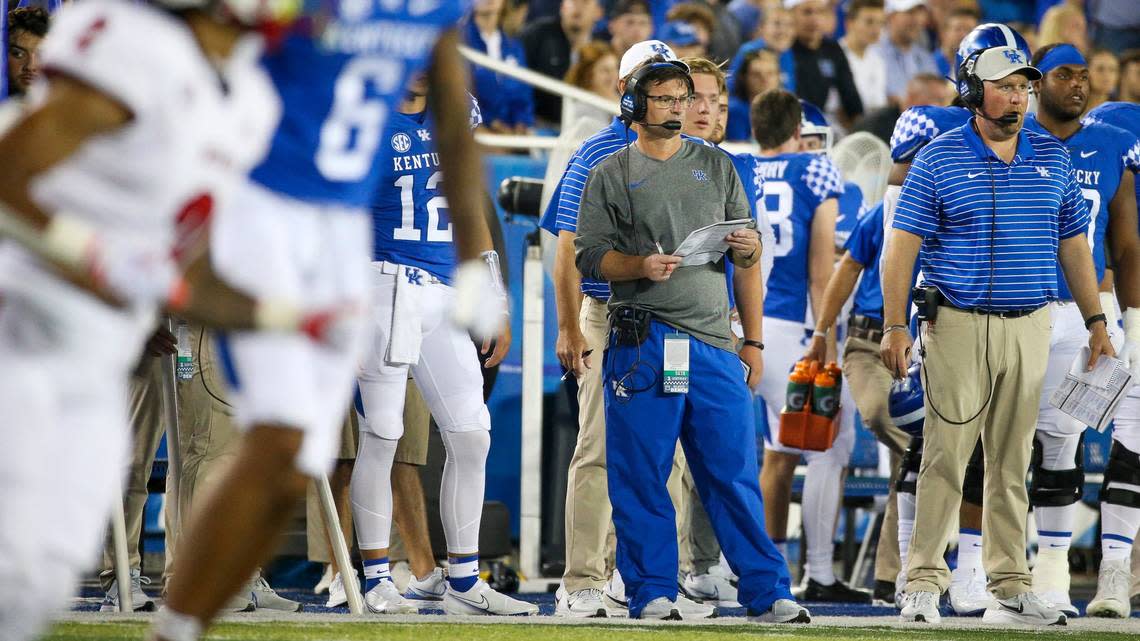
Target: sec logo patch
{"x":401,"y":142}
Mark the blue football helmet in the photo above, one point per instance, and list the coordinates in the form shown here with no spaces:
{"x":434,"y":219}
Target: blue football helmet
{"x":906,"y":402}
{"x":985,"y":36}
{"x":814,"y":123}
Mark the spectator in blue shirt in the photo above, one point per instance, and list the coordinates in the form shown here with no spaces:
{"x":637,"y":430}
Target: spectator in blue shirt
{"x":507,"y":104}
{"x":990,"y":209}
{"x":959,"y":23}
{"x":901,"y":48}
{"x":758,"y":73}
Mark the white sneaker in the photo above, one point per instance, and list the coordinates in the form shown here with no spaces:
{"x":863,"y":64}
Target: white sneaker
{"x":1026,"y":608}
{"x":1051,"y":580}
{"x":322,"y":586}
{"x":900,"y":589}
{"x":921,"y":607}
{"x":690,"y":609}
{"x":431,"y":588}
{"x":714,"y":588}
{"x":337,"y":595}
{"x":385,"y":598}
{"x":613,"y":595}
{"x":968,"y":593}
{"x":679,"y":609}
{"x":140,"y":601}
{"x":661,"y":609}
{"x":481,"y":599}
{"x":265,"y":597}
{"x":580,"y":604}
{"x":782,"y":611}
{"x":1112,"y":585}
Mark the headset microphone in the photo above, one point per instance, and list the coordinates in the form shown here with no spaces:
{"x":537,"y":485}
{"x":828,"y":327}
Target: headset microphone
{"x":1007,"y":119}
{"x":671,"y":125}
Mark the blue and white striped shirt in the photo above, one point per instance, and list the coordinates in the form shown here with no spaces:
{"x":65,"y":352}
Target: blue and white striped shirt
{"x":562,"y":212}
{"x":947,"y":200}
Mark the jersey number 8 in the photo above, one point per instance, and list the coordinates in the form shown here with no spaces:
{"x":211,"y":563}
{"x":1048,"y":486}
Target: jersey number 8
{"x":351,"y":132}
{"x":780,"y":216}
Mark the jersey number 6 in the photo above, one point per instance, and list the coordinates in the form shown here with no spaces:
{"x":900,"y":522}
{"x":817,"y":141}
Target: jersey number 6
{"x":351,"y":132}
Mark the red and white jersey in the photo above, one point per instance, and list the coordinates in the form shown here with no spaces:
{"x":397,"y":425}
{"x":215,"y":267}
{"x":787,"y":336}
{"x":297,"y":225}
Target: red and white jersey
{"x":195,"y":129}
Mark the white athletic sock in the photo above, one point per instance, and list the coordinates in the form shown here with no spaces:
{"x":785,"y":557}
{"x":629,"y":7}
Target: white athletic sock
{"x":1054,"y":526}
{"x":462,"y":571}
{"x":908,"y":504}
{"x":970,"y":549}
{"x":1118,"y":530}
{"x":461,"y":490}
{"x":371,"y":491}
{"x":822,"y":491}
{"x":375,"y":571}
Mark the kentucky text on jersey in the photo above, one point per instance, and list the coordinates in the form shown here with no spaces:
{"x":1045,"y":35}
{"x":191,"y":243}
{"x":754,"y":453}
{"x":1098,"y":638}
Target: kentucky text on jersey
{"x":947,"y":199}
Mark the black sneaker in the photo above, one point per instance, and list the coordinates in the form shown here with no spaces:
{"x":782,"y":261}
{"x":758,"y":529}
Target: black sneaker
{"x":884,"y":593}
{"x":837,"y":592}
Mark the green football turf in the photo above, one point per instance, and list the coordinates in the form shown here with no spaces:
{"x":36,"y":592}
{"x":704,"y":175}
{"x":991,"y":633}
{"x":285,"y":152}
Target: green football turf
{"x":266,"y":631}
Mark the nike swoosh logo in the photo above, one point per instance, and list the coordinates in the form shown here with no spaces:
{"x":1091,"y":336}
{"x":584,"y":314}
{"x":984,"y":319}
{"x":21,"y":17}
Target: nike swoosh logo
{"x":1020,"y":609}
{"x":973,"y":175}
{"x":1086,"y":154}
{"x":1054,"y":545}
{"x":481,"y":603}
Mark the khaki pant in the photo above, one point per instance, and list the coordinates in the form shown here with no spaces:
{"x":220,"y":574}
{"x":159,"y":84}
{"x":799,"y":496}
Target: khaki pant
{"x":589,"y":540}
{"x":146,"y":432}
{"x":870,"y":384}
{"x":957,"y":386}
{"x":208,"y":439}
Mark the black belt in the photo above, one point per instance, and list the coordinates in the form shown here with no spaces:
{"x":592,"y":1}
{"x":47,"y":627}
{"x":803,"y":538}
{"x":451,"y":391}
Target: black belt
{"x":1007,"y":313}
{"x":865,"y":327}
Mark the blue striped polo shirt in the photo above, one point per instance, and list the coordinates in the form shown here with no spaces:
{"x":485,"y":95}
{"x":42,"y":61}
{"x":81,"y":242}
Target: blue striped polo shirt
{"x":947,"y":200}
{"x":562,"y":212}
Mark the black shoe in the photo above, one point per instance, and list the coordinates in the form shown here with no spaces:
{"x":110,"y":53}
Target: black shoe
{"x":837,"y":592}
{"x":884,"y":592}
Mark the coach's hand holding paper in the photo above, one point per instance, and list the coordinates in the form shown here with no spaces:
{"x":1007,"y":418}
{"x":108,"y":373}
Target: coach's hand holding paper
{"x":709,"y":243}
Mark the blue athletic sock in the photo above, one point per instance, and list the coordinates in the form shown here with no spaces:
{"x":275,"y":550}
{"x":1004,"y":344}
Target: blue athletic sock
{"x":376,"y":571}
{"x":462,"y":572}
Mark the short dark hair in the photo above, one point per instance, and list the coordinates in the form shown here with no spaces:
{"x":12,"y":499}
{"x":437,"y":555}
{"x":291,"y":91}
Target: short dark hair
{"x":662,"y":74}
{"x":34,"y":20}
{"x":741,"y":85}
{"x":1129,"y":57}
{"x":855,"y":6}
{"x":776,"y":114}
{"x":692,"y":12}
{"x":622,"y":7}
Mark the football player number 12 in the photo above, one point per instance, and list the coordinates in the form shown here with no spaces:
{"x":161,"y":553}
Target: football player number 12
{"x":351,"y":133}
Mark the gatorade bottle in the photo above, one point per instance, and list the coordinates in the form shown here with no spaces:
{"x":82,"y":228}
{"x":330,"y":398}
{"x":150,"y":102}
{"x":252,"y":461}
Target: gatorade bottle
{"x":837,"y":374}
{"x":825,"y":395}
{"x":799,"y":385}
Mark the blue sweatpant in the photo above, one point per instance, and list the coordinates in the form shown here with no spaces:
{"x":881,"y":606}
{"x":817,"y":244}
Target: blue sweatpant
{"x":716,"y":424}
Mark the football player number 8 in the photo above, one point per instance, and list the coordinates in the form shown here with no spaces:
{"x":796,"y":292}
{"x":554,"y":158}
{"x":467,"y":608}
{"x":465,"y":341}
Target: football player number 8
{"x":351,"y":132}
{"x":780,"y":217}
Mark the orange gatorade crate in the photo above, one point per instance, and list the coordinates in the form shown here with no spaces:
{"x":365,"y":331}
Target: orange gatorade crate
{"x":809,"y":418}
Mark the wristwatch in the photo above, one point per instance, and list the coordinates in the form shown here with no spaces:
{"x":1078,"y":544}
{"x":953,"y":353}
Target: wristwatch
{"x":757,"y":344}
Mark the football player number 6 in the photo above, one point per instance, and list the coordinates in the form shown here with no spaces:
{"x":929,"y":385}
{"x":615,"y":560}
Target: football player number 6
{"x":350,"y":134}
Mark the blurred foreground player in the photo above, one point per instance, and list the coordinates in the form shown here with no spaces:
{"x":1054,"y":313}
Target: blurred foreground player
{"x":147,"y":117}
{"x":307,"y":205}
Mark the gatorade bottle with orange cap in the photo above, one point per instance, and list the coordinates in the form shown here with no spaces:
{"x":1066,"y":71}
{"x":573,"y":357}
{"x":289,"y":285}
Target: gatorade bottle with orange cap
{"x":799,"y":386}
{"x":825,"y":392}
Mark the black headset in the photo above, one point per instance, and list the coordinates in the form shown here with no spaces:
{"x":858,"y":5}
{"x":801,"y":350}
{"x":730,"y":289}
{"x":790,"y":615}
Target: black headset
{"x":970,"y":86}
{"x":635,"y":100}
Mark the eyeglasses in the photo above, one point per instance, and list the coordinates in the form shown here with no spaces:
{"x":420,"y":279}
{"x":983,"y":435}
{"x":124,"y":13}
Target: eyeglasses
{"x":671,"y":102}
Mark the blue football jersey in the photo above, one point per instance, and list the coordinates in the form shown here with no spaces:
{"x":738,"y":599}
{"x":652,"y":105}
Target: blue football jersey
{"x":1125,"y":115}
{"x":794,"y":185}
{"x":850,"y":211}
{"x":1100,"y":153}
{"x":338,"y":89}
{"x":866,"y":246}
{"x":410,"y":220}
{"x":919,"y":125}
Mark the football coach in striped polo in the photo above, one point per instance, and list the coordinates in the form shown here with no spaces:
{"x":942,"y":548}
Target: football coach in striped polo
{"x":989,"y":209}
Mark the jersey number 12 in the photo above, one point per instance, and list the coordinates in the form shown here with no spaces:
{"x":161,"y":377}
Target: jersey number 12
{"x":407,"y":229}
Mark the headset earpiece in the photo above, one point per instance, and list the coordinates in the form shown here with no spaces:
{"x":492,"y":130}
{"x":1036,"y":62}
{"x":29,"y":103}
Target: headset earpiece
{"x":970,"y":87}
{"x":635,"y":100}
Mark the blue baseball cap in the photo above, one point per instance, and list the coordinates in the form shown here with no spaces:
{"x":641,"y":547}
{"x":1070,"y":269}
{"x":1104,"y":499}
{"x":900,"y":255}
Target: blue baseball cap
{"x":678,"y":34}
